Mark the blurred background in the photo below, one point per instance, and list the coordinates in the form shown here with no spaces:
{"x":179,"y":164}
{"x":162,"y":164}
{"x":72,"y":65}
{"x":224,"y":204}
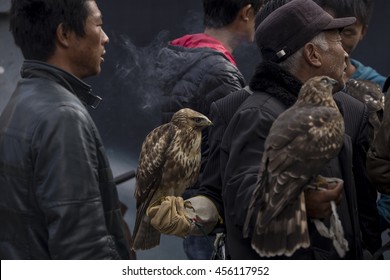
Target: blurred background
{"x":130,"y":107}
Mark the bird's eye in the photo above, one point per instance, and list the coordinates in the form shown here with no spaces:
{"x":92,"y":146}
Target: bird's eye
{"x":328,"y":81}
{"x":198,"y":120}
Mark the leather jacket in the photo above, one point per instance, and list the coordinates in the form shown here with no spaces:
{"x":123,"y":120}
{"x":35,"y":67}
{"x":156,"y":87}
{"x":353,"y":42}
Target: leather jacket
{"x":59,"y":200}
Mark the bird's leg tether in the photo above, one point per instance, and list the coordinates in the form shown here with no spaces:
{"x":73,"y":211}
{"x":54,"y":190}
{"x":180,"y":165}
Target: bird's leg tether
{"x":197,"y":221}
{"x":335,"y":231}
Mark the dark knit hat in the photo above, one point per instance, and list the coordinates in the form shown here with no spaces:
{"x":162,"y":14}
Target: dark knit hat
{"x":290,"y":27}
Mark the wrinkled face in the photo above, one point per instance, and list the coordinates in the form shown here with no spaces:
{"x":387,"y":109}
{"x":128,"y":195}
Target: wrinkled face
{"x":334,"y":59}
{"x":352,"y":35}
{"x":88,"y":51}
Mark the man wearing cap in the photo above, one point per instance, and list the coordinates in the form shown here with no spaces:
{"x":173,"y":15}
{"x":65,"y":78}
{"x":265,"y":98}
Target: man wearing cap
{"x":297,"y":41}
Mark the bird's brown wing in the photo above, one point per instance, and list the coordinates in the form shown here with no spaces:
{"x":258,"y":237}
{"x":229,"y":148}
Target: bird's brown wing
{"x":371,"y":94}
{"x":300,"y":144}
{"x":150,"y":167}
{"x":152,"y":159}
{"x":367,"y":92}
{"x":293,"y":155}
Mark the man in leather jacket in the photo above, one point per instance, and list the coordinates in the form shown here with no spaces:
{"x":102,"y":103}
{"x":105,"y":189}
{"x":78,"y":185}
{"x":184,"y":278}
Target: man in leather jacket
{"x":59,"y":200}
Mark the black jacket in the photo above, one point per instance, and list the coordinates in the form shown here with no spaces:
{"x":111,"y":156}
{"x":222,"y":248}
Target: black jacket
{"x":378,"y":160}
{"x":242,"y":148}
{"x":356,"y":117}
{"x":194,"y":78}
{"x":221,"y":112}
{"x":58,"y":198}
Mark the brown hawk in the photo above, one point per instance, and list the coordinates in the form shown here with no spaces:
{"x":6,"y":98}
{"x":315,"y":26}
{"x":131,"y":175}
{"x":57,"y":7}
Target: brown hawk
{"x":371,"y":94}
{"x":169,"y":163}
{"x":301,"y":142}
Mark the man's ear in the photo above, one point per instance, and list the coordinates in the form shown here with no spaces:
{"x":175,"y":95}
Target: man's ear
{"x":364,"y":32}
{"x":311,"y":55}
{"x":245,"y":12}
{"x":62,"y":35}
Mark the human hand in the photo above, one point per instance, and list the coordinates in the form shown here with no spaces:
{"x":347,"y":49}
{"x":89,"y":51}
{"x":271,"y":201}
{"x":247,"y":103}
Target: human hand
{"x":318,"y":199}
{"x":168,"y":216}
{"x":195,"y":216}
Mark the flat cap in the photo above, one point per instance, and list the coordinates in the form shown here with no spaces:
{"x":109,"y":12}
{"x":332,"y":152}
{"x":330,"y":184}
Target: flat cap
{"x":291,"y":26}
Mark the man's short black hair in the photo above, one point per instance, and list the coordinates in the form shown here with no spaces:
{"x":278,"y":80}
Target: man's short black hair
{"x":360,"y":9}
{"x":33,"y":24}
{"x":268,"y":7}
{"x":220,"y":13}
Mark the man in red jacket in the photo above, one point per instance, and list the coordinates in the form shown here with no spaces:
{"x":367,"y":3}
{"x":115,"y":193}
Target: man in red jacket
{"x":197,"y":69}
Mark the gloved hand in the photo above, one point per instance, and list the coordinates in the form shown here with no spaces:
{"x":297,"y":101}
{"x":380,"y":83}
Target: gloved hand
{"x":168,"y":217}
{"x":173,"y":215}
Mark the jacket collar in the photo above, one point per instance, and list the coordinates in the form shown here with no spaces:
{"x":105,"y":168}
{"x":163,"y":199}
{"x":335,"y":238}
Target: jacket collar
{"x":270,"y":78}
{"x":35,"y":68}
{"x":202,"y":40}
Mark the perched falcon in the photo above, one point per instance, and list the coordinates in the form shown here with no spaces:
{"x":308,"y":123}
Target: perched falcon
{"x":301,"y":142}
{"x":371,"y":94}
{"x":169,"y":163}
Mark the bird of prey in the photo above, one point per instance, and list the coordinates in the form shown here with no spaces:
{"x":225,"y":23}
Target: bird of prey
{"x":371,"y":94}
{"x":169,"y":163}
{"x":301,"y":142}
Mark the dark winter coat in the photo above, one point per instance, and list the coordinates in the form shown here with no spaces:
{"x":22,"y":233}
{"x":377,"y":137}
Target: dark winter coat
{"x":221,"y":112}
{"x":58,"y":198}
{"x":194,"y":78}
{"x":378,"y":161}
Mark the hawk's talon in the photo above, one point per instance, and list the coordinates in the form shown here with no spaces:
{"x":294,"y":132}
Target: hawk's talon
{"x":187,"y":204}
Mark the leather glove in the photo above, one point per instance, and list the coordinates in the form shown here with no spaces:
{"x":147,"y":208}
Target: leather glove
{"x":167,"y":216}
{"x":173,"y":215}
{"x":205,"y":215}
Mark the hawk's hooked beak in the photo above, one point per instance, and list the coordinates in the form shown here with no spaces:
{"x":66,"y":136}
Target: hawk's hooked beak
{"x":335,"y":85}
{"x":207,"y":123}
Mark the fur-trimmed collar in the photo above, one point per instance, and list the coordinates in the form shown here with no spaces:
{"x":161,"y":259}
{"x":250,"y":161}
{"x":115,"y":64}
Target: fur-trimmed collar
{"x":270,"y":78}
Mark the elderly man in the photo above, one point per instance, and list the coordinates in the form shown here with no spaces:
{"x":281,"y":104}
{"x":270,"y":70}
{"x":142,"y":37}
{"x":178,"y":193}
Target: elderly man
{"x":307,"y":44}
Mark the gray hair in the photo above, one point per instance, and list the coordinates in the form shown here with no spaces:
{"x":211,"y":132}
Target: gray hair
{"x":291,"y":64}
